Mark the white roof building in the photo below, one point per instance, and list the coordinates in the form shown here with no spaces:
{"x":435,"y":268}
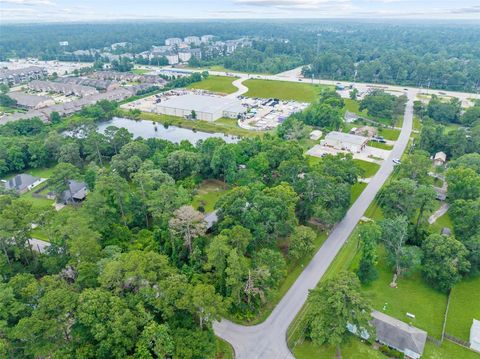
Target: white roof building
{"x":440,"y":158}
{"x":207,"y":38}
{"x":173,"y":41}
{"x":206,"y":107}
{"x":475,"y":335}
{"x":192,"y":40}
{"x":315,"y":135}
{"x":345,"y":141}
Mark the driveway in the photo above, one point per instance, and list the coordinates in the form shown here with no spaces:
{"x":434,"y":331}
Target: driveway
{"x":268,"y":339}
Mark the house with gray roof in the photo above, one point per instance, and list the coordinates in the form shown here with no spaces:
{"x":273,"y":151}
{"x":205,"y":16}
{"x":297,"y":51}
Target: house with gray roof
{"x":399,"y":335}
{"x":211,"y":218}
{"x":21,"y":183}
{"x":76,"y":193}
{"x":27,"y":101}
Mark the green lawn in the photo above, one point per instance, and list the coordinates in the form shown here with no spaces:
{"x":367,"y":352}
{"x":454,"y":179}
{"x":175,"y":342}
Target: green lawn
{"x":412,"y":295}
{"x":462,"y":310}
{"x":39,"y":233}
{"x":140,"y":71}
{"x":205,"y":126}
{"x":222,"y":84}
{"x":37,"y":202}
{"x":383,"y":146}
{"x":354,"y":349}
{"x":224,"y":350}
{"x":45,"y":172}
{"x":369,"y":168}
{"x":417,"y":123}
{"x":354,"y":107}
{"x":208,"y":194}
{"x":448,"y":350}
{"x":357,"y":190}
{"x":443,"y":221}
{"x":374,"y":211}
{"x":283,"y":90}
{"x":389,"y":133}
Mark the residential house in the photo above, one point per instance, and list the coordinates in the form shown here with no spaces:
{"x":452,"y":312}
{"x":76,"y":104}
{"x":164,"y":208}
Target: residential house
{"x":27,"y":101}
{"x":22,"y":183}
{"x":439,"y":159}
{"x":192,"y":40}
{"x":14,"y":77}
{"x":367,"y":131}
{"x":399,"y":335}
{"x":76,"y":192}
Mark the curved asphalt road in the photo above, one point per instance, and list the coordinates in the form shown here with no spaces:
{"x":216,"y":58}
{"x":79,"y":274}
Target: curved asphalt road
{"x":268,"y":339}
{"x":240,"y":86}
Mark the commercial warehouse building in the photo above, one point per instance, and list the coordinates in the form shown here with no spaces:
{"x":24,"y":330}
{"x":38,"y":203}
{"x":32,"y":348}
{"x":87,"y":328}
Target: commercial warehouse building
{"x":206,"y":107}
{"x":345,"y":141}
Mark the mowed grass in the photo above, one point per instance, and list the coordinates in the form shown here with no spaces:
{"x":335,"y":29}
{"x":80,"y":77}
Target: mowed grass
{"x":369,"y":168}
{"x":44,"y":172}
{"x":412,"y":295}
{"x":462,"y":309}
{"x":448,"y":350}
{"x":140,"y":71}
{"x":208,"y":194}
{"x":441,"y":222}
{"x":354,"y":107}
{"x":220,"y":84}
{"x":224,"y":350}
{"x":389,"y":133}
{"x":353,"y":349}
{"x":380,"y":145}
{"x":284,"y":90}
{"x":357,"y":190}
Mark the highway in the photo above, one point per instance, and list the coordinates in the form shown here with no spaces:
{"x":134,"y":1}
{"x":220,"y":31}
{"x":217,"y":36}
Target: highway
{"x":268,"y":339}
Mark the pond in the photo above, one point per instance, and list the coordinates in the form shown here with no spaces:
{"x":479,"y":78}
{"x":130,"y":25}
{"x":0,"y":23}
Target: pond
{"x":146,"y":129}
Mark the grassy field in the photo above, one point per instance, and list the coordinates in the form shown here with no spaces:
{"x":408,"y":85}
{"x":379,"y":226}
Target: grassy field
{"x":357,"y":190}
{"x":443,"y":221}
{"x":208,"y":194}
{"x":448,"y":350}
{"x":383,"y":146}
{"x":389,"y":133}
{"x":221,"y":84}
{"x":354,"y":349}
{"x":212,"y":127}
{"x":140,"y":71}
{"x":462,"y":310}
{"x":412,"y":295}
{"x":354,"y":107}
{"x":417,"y":123}
{"x":369,"y":168}
{"x":224,"y":350}
{"x":45,"y":172}
{"x":283,"y":90}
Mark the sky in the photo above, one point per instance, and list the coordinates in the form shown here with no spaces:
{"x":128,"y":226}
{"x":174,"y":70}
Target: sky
{"x":99,"y":10}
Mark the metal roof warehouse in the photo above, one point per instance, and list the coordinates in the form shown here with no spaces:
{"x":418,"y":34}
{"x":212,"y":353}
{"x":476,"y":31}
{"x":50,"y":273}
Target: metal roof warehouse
{"x":206,"y":107}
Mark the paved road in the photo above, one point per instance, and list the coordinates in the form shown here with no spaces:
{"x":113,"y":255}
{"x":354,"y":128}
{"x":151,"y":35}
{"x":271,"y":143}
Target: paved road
{"x":240,"y":86}
{"x":268,"y":339}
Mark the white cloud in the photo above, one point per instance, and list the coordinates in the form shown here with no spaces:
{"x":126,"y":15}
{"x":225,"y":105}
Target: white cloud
{"x":28,"y":2}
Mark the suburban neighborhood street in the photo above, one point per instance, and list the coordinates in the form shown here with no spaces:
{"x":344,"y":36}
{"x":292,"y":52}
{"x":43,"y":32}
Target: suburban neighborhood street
{"x":268,"y":339}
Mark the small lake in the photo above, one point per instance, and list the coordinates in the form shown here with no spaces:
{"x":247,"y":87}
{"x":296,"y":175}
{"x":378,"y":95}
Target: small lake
{"x":146,"y":129}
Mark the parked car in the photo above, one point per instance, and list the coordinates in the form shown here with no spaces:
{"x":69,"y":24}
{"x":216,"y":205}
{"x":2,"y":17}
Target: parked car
{"x":396,"y":161}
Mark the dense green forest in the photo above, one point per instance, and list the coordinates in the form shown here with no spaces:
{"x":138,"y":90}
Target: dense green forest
{"x":427,"y":54}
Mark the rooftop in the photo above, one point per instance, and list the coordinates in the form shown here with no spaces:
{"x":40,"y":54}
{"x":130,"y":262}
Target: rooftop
{"x":398,"y":334}
{"x":20,"y":182}
{"x":24,"y":99}
{"x":346,"y":138}
{"x":203,"y":103}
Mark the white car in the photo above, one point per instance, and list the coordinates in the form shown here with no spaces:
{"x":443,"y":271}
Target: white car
{"x":396,"y":161}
